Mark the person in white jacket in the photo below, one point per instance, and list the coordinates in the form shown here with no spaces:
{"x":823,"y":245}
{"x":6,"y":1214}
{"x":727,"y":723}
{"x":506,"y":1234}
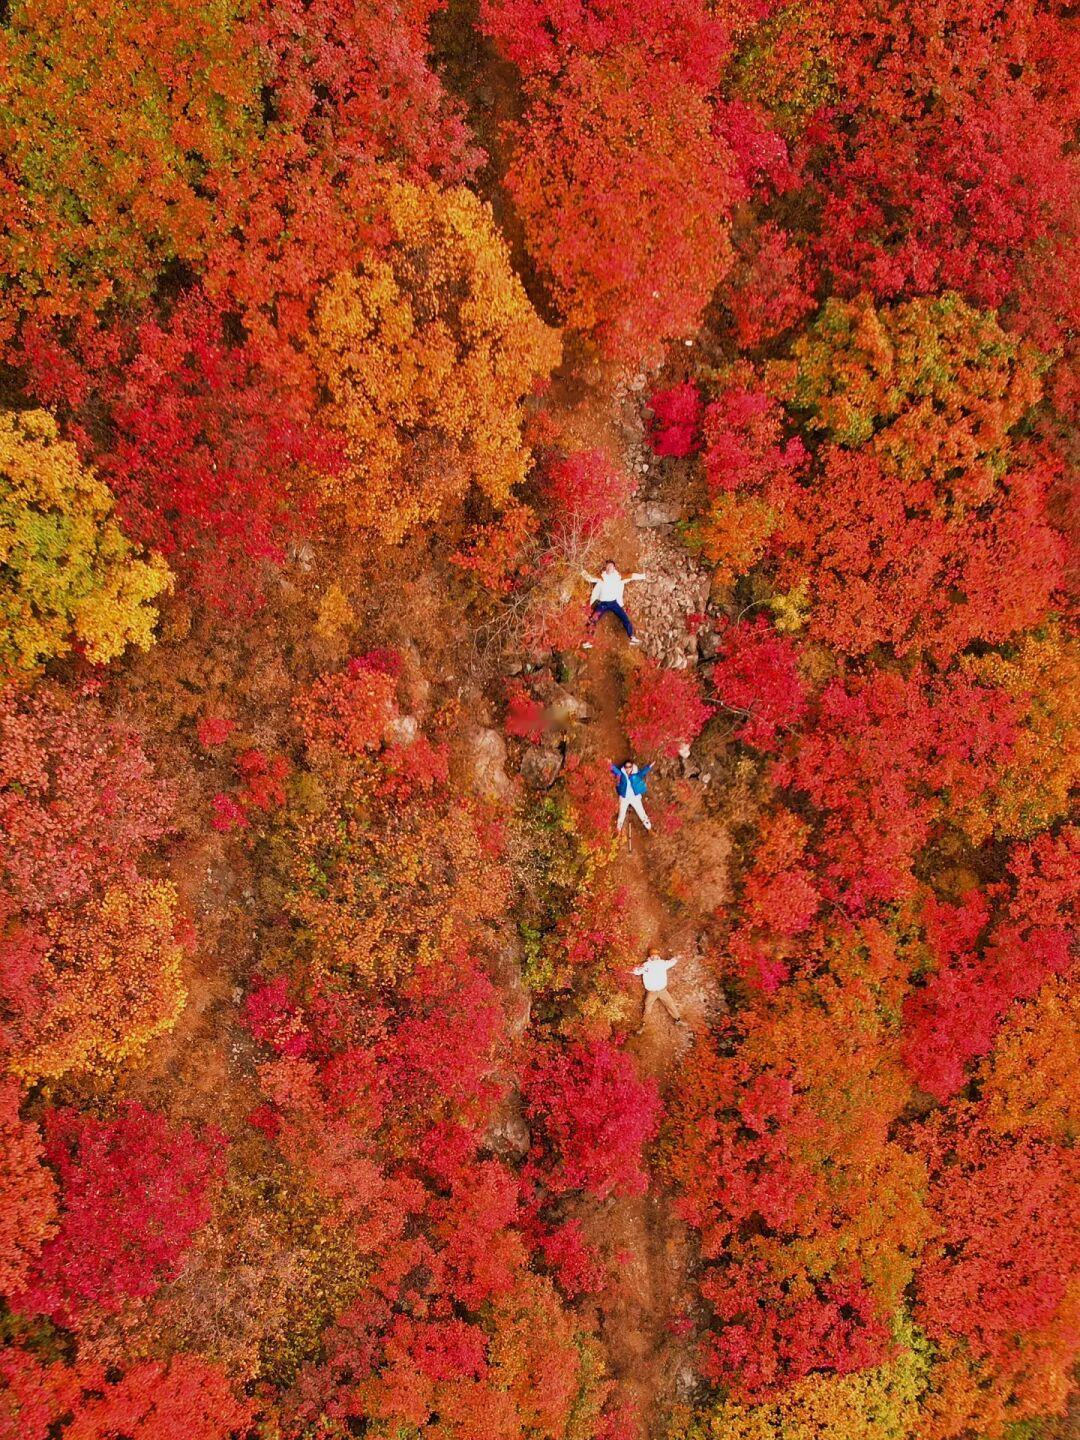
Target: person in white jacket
{"x":654,"y":973}
{"x":607,"y":598}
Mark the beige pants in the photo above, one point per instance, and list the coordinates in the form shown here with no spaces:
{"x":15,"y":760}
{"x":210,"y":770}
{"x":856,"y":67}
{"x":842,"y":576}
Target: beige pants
{"x":663,"y":997}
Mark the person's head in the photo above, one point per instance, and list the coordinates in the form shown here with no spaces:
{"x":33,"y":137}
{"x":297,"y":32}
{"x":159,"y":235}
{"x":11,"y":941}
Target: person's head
{"x":629,"y":766}
{"x":610,"y":568}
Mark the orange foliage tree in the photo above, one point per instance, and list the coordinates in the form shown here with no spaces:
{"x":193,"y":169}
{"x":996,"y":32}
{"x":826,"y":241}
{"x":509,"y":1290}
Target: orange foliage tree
{"x":92,"y":949}
{"x":389,"y":862}
{"x":27,"y":1193}
{"x":1040,"y":673}
{"x":118,"y":130}
{"x":427,"y":348}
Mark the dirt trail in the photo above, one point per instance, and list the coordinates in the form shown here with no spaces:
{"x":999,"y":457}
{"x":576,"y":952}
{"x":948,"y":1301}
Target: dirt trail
{"x":650,"y":1291}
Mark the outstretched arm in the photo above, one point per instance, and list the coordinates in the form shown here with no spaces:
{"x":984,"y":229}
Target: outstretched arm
{"x":614,"y":769}
{"x":637,"y":575}
{"x":592,"y":579}
{"x":644,"y":769}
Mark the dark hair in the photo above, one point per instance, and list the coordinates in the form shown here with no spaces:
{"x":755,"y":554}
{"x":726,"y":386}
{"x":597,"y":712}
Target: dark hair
{"x":609,"y":562}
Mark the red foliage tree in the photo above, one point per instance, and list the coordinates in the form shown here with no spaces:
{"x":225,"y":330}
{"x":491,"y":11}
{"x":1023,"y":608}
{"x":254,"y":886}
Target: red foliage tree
{"x":153,"y":1400}
{"x":356,"y":83}
{"x":744,"y":444}
{"x":982,"y":969}
{"x":756,"y":676}
{"x":886,"y":759}
{"x":779,"y":895}
{"x":211,"y":454}
{"x":927,"y":523}
{"x":675,"y":426}
{"x":133,"y":1194}
{"x":589,"y":1115}
{"x":664,"y":709}
{"x":770,"y":286}
{"x":541,"y":36}
{"x":1008,"y":1216}
{"x":79,"y":803}
{"x":584,"y":491}
{"x":769,"y":1338}
{"x":945,"y":160}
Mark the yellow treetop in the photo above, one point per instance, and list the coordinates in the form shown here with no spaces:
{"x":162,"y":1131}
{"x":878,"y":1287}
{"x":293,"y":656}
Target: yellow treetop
{"x":67,"y":571}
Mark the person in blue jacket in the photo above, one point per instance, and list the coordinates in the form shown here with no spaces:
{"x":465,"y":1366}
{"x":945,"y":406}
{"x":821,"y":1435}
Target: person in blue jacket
{"x":631,"y":783}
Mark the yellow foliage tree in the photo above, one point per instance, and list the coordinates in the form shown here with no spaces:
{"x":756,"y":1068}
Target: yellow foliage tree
{"x":67,"y":571}
{"x":108,"y":984}
{"x":427,"y":349}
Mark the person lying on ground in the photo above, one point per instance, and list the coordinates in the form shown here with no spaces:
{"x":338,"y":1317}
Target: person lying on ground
{"x":607,"y":598}
{"x":631,"y":783}
{"x":654,"y":973}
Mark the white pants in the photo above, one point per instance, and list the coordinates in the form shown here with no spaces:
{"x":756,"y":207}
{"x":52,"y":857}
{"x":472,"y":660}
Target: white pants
{"x":625,"y":803}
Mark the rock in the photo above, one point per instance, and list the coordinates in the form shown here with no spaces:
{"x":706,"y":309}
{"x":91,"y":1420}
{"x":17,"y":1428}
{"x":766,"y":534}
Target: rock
{"x":540,"y":767}
{"x":403,"y":729}
{"x":708,"y":644}
{"x":657,"y":514}
{"x":507,"y":975}
{"x":566,"y":708}
{"x":487,"y":749}
{"x":508,"y":1135}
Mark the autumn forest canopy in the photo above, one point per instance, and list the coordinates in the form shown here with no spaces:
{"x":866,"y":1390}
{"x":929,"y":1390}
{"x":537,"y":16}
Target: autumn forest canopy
{"x":338,"y":339}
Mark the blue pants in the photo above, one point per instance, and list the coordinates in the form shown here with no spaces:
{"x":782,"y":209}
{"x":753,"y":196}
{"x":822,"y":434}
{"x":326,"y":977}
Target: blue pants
{"x":611,"y":607}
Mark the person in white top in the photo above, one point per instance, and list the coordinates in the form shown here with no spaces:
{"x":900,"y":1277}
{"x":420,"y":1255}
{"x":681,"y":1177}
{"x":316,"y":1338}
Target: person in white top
{"x":654,"y":973}
{"x":607,"y":597}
